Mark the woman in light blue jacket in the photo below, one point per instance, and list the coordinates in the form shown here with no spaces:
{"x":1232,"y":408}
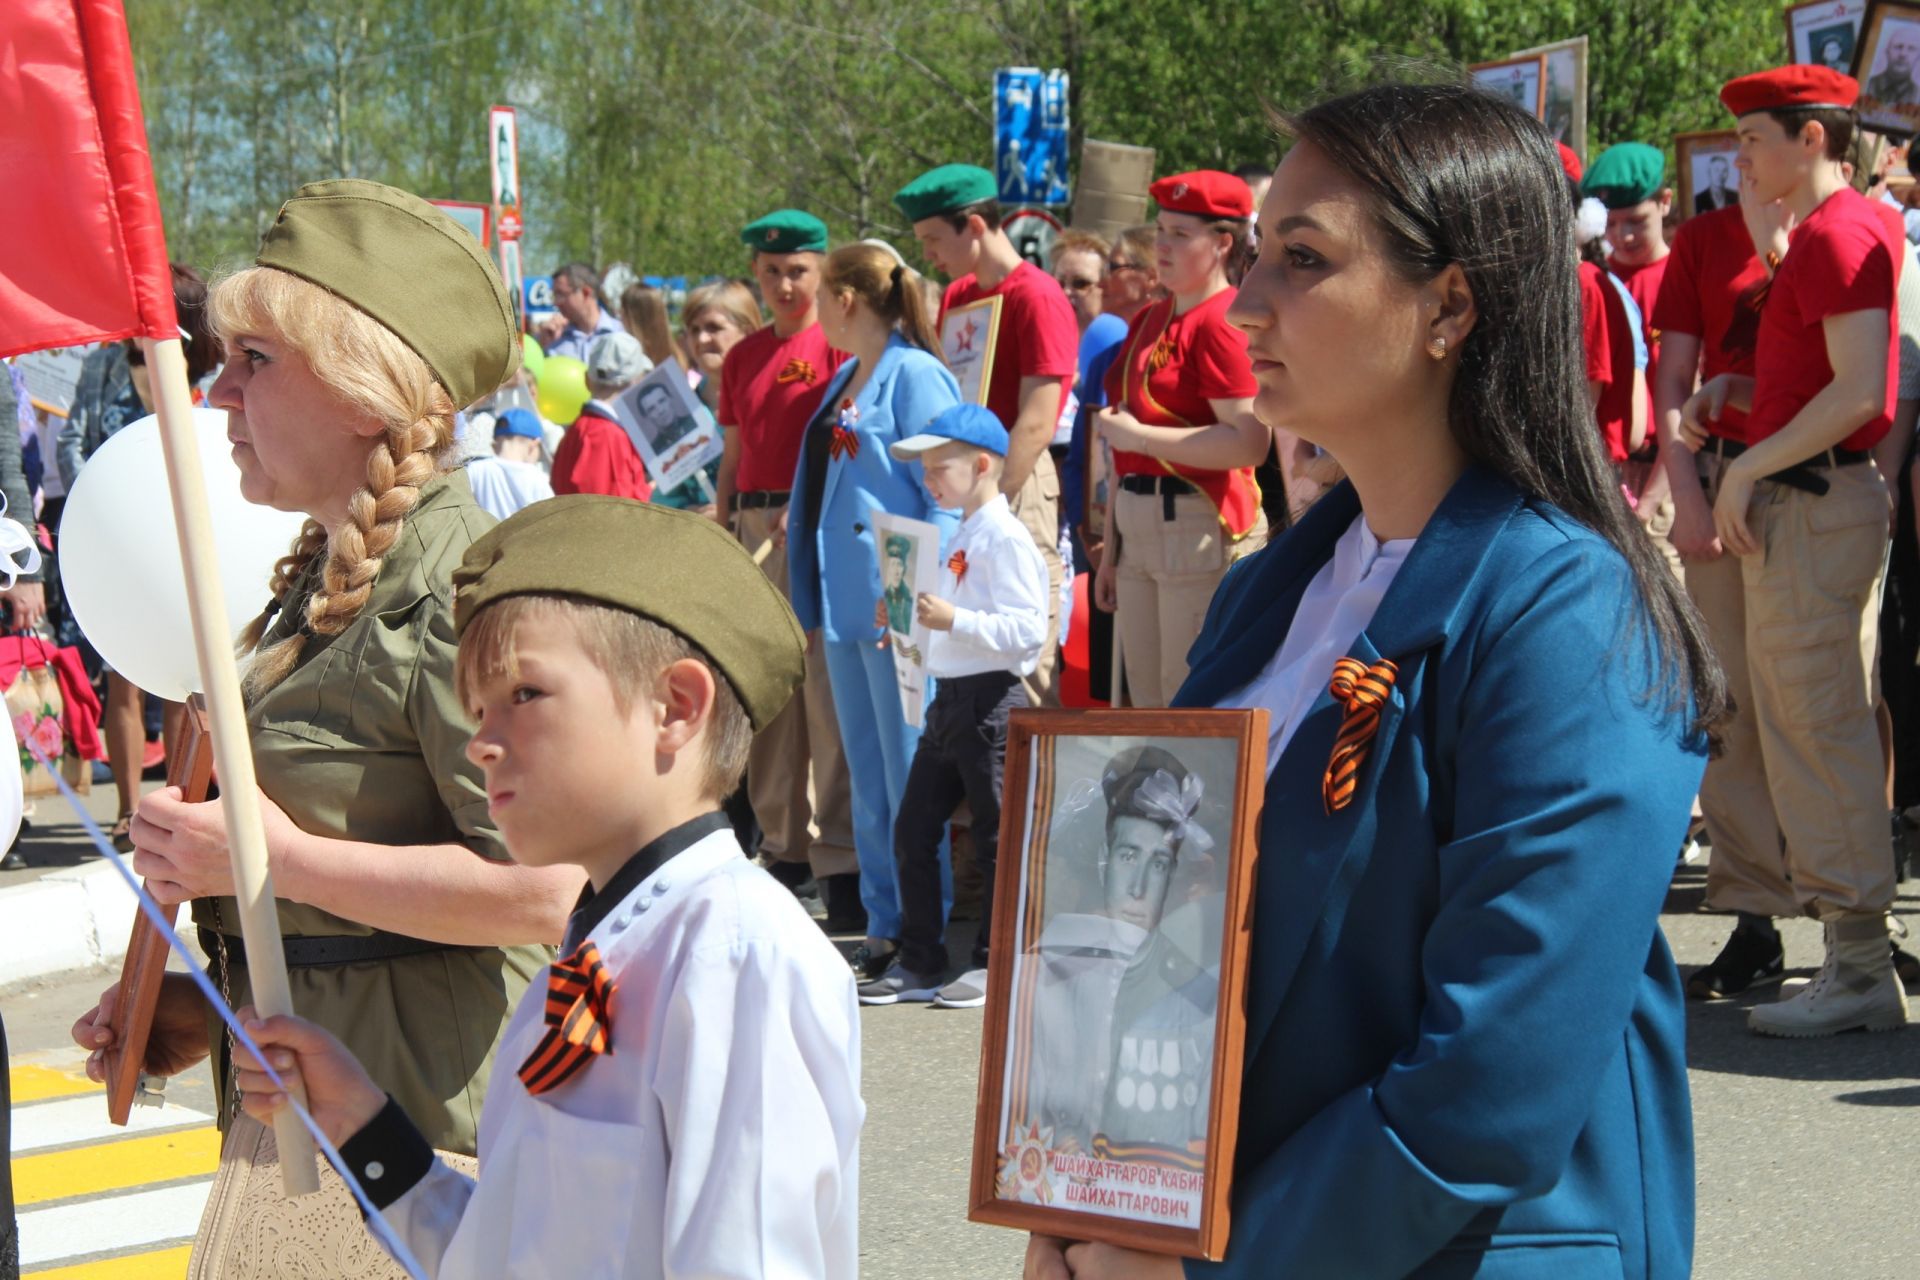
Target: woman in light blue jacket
{"x":872,"y":307}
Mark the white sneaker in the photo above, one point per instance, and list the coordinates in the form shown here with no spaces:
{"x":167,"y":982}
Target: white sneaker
{"x":1855,"y":989}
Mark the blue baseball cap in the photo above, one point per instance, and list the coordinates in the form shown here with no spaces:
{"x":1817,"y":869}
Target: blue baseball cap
{"x":963,"y":424}
{"x":517,"y":422}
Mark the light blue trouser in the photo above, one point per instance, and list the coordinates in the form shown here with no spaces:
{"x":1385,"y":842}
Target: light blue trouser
{"x":879,"y":746}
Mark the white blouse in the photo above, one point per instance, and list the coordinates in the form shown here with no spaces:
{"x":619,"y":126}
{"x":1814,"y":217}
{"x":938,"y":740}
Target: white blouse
{"x":1336,"y":608}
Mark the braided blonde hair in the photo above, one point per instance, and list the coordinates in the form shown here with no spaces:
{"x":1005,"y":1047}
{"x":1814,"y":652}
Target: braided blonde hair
{"x":374,"y":373}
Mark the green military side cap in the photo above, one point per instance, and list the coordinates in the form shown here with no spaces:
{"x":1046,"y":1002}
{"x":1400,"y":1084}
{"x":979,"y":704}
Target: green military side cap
{"x":1626,"y":174}
{"x":409,"y":266}
{"x":942,"y":190}
{"x":898,"y":544}
{"x":679,"y":569}
{"x":785,"y":231}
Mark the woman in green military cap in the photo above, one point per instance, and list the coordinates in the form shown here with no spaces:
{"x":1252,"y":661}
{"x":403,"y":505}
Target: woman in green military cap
{"x":369,"y":318}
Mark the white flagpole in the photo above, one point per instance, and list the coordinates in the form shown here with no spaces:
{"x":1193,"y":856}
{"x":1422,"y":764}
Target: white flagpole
{"x":232,"y":750}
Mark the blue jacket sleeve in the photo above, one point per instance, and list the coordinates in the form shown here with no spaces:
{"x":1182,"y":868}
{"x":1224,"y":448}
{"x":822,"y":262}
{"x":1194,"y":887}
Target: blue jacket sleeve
{"x":1571,"y":794}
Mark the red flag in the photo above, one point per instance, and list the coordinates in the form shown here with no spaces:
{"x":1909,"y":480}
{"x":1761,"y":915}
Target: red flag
{"x":83,"y":257}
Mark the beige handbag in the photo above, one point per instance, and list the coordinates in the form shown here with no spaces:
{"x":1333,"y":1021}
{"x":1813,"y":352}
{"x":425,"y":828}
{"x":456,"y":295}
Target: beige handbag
{"x":252,"y":1231}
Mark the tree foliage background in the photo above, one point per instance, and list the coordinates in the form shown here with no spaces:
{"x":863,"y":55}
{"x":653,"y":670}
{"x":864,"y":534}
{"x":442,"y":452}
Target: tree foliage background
{"x":652,"y":131}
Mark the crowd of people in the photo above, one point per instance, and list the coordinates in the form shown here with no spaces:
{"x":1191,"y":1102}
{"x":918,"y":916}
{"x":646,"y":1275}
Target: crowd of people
{"x":1601,"y":509}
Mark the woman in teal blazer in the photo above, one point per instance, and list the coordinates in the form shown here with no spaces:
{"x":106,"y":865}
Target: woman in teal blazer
{"x":1465,"y":1033}
{"x":870,"y":307}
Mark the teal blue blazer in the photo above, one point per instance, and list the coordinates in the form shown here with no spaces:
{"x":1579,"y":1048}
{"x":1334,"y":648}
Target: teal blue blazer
{"x":1465,"y":1049}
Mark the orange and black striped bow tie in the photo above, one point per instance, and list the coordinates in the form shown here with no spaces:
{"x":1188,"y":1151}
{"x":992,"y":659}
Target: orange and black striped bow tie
{"x":1362,"y":690}
{"x":958,"y":563}
{"x":578,"y":1022}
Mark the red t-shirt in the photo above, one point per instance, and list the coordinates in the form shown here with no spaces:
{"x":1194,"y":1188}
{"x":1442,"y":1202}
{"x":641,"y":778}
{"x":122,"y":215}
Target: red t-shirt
{"x":769,"y":389}
{"x":1841,"y":259}
{"x":1643,"y":285}
{"x":1608,"y":337}
{"x":1169,"y":369}
{"x":1038,"y":337}
{"x":596,"y":456}
{"x":1714,"y":289}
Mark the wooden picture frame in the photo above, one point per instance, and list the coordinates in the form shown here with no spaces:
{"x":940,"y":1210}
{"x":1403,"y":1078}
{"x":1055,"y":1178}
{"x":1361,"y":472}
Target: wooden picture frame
{"x":1565,"y":110}
{"x":1524,"y":80}
{"x":968,"y":337}
{"x":1695,"y":179}
{"x":1115,"y":1021}
{"x":189,"y":767}
{"x":1886,"y":62}
{"x":1824,"y":32}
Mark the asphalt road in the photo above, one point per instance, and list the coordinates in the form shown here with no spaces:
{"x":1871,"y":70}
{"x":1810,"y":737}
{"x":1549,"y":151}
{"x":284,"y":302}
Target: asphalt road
{"x":1808,"y":1151}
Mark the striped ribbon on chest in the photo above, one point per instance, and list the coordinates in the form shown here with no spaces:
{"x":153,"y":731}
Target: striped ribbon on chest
{"x":1361,"y":690}
{"x":579,"y":1025}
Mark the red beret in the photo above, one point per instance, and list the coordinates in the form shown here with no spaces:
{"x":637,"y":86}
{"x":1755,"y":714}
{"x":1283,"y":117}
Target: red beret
{"x":1570,"y":161}
{"x":1788,"y":88}
{"x":1207,"y":193}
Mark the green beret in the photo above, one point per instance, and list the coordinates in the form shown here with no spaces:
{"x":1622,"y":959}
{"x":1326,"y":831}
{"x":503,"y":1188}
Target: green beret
{"x":409,"y":266}
{"x":785,"y":231}
{"x":679,"y":569}
{"x":1626,"y":174}
{"x":942,"y":190}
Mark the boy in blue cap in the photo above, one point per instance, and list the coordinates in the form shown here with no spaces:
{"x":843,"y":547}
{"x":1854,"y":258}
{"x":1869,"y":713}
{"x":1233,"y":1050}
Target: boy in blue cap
{"x":988,"y":623}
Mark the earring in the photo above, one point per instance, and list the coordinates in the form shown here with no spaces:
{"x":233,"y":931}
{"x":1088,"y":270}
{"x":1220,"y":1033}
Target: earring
{"x":1437,"y":348}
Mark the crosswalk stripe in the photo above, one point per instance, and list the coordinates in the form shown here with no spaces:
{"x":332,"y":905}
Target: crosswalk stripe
{"x":67,"y":1121}
{"x":111,"y":1166}
{"x":113,"y":1225}
{"x":163,"y":1264}
{"x":36,"y":1084}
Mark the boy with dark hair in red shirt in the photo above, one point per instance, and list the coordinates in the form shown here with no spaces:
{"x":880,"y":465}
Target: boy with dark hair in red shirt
{"x":1802,"y":505}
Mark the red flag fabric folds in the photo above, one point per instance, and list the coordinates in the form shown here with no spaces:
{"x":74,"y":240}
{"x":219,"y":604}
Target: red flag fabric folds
{"x":83,"y":256}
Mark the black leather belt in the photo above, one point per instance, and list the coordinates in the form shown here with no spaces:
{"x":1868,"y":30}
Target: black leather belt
{"x":1168,"y":487}
{"x":756,"y":499}
{"x":1801,"y":475}
{"x":319,"y":952}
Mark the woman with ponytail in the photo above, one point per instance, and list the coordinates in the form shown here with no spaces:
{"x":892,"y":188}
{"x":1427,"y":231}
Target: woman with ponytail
{"x":409,"y":933}
{"x":872,"y":307}
{"x":1489,"y":706}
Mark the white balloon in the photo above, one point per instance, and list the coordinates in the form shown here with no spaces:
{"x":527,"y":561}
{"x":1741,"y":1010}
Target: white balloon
{"x":120,"y":554}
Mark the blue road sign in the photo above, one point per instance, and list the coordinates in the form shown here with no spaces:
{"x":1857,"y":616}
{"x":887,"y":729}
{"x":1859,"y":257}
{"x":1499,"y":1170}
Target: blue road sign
{"x":1030,"y":135}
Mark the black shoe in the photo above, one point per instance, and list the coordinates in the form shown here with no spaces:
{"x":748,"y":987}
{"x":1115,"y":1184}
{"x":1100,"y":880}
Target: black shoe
{"x":12,"y":861}
{"x":870,"y":962}
{"x":841,"y":895}
{"x":794,"y":875}
{"x":1750,"y":957}
{"x":1906,"y":965}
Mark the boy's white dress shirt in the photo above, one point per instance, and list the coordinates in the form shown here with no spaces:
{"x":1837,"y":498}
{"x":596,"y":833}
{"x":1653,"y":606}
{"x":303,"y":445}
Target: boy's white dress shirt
{"x":999,"y":602}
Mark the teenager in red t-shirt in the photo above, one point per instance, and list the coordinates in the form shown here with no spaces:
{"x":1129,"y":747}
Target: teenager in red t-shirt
{"x":1184,"y":436}
{"x":771,"y":382}
{"x":1805,"y":508}
{"x":956,"y":217}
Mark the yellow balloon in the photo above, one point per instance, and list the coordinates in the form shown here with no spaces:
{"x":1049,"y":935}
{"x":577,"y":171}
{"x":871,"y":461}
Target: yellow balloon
{"x":562,"y":389}
{"x":532,"y":359}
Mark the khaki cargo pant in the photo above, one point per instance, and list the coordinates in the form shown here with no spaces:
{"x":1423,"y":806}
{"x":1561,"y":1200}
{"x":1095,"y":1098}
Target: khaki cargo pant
{"x":1037,"y":507}
{"x":1796,"y":803}
{"x":1164,"y":580}
{"x":805,"y":814}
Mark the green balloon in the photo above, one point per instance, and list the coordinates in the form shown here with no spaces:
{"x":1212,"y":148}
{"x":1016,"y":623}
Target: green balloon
{"x":532,"y":358}
{"x":562,"y":389}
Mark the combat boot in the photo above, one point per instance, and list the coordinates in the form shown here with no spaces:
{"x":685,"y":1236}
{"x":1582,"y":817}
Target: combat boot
{"x":1856,"y":987}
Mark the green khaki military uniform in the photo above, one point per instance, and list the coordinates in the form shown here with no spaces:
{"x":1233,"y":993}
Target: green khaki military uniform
{"x":365,"y":740}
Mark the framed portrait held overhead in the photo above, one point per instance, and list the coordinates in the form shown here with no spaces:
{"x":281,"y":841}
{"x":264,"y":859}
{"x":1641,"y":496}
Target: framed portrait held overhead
{"x":1886,"y":62}
{"x":909,"y":552}
{"x":1705,"y":176}
{"x":1522,"y":79}
{"x":967,"y":338}
{"x":673,"y":431}
{"x":1115,"y":1018}
{"x":1566,"y":109}
{"x":1824,"y":32}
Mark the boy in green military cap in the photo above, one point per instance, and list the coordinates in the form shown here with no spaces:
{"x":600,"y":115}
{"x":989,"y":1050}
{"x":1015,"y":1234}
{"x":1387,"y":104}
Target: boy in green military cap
{"x":617,"y":657}
{"x":1629,"y":178}
{"x":770,"y":384}
{"x":956,"y":216}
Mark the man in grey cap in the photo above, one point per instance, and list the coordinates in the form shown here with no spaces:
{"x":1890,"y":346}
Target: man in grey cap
{"x":597,"y":455}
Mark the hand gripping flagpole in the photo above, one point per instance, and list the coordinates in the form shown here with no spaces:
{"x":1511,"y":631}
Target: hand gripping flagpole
{"x":232,"y":750}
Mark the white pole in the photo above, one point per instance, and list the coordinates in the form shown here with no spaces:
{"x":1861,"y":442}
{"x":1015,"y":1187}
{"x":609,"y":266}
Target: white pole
{"x":232,"y":751}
